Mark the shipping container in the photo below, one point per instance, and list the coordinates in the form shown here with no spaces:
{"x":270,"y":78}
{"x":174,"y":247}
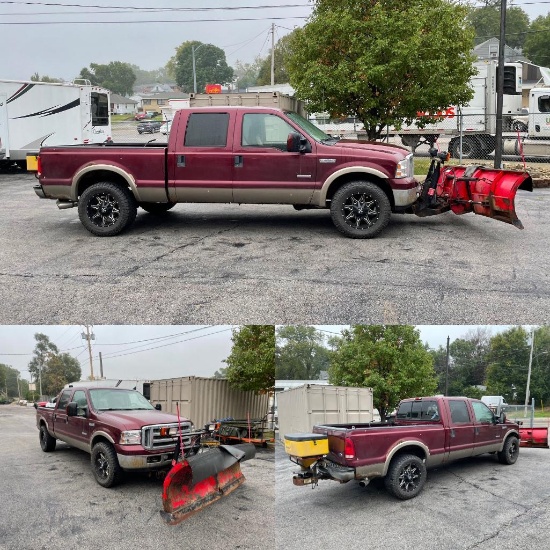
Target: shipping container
{"x":301,"y":408}
{"x":202,"y":400}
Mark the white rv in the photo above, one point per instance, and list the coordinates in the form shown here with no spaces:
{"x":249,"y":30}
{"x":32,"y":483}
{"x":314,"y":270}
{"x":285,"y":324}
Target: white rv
{"x":33,"y":114}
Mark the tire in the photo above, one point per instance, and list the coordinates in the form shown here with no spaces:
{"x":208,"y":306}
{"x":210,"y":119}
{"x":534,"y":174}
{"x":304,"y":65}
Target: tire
{"x":157,"y":208}
{"x":470,"y":148}
{"x":106,"y":209}
{"x":510,"y":451}
{"x":47,"y":442}
{"x":519,"y":126}
{"x":406,"y":476}
{"x":360,"y":210}
{"x":105,"y":466}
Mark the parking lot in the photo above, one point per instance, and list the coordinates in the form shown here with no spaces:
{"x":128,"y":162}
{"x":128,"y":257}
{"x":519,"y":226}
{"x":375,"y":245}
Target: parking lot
{"x":51,"y":500}
{"x":208,"y":263}
{"x":472,"y":504}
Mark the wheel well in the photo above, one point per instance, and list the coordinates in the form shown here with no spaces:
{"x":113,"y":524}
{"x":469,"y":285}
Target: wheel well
{"x":99,"y":439}
{"x":361,"y":176}
{"x":87,"y":180}
{"x":410,"y":450}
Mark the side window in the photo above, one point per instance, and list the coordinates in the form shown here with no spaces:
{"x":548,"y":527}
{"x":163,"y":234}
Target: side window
{"x":404,"y":411}
{"x":64,"y":400}
{"x":207,"y":130}
{"x":544,"y":104}
{"x":80,"y":398}
{"x":265,"y":130}
{"x":429,"y":411}
{"x":482,"y":412}
{"x":459,"y":412}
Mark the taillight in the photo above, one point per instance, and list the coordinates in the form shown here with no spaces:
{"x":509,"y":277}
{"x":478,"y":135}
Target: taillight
{"x":349,"y":448}
{"x":39,"y":165}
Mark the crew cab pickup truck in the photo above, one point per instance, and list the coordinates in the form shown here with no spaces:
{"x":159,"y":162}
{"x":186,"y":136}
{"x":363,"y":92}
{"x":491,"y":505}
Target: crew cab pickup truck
{"x":426,"y":432}
{"x":119,"y":428}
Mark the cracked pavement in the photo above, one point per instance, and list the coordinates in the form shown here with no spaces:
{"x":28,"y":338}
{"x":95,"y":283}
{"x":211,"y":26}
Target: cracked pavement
{"x":208,"y":263}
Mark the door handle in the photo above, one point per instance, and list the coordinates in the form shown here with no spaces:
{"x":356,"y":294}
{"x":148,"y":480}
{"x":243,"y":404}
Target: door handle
{"x":181,"y":161}
{"x":452,"y":432}
{"x":238,"y":161}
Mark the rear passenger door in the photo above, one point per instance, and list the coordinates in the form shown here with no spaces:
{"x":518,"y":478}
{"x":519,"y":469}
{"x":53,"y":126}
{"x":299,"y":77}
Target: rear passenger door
{"x":60,"y":415}
{"x":202,"y":161}
{"x":460,"y":432}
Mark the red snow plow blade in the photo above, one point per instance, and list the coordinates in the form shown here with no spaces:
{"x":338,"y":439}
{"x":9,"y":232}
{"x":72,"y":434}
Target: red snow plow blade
{"x":484,"y":191}
{"x":202,"y":479}
{"x":533,"y":437}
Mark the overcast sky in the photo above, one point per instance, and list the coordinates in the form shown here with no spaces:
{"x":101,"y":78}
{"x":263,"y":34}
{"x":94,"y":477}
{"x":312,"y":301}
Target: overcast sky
{"x":59,"y":41}
{"x":156,"y":352}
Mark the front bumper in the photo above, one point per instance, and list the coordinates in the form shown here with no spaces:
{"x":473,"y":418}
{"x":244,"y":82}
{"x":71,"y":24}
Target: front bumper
{"x":405,"y":191}
{"x":145,"y":462}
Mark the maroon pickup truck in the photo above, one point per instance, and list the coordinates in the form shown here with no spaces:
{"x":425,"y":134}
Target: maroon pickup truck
{"x":119,"y":428}
{"x":251,"y":155}
{"x":426,"y":432}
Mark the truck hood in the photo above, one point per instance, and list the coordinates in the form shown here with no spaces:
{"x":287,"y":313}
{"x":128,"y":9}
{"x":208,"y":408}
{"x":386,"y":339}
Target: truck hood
{"x":372,"y":146}
{"x":135,"y":420}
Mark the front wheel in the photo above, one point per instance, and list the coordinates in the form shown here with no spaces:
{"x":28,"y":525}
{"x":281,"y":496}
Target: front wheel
{"x":406,"y":476}
{"x":157,"y":208}
{"x":360,"y":210}
{"x":106,"y":209}
{"x":47,"y":442}
{"x":107,"y":471}
{"x":510,"y":451}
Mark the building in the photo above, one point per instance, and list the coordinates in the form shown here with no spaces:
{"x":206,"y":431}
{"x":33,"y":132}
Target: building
{"x":122,"y":105}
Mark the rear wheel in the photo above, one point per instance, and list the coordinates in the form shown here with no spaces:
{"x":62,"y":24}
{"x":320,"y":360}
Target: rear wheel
{"x":47,"y":442}
{"x":157,"y":207}
{"x":107,"y":471}
{"x":106,"y":209}
{"x":470,"y":148}
{"x":510,"y":451}
{"x":406,"y":476}
{"x":360,"y":210}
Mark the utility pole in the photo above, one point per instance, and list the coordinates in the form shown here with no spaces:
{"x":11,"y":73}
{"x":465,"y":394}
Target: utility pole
{"x":447,"y":368}
{"x":89,"y":336}
{"x":101,"y":366}
{"x":500,"y":85}
{"x":529,"y":370}
{"x":272,"y":54}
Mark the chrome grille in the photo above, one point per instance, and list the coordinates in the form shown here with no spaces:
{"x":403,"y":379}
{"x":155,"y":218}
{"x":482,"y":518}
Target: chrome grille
{"x":151,"y":438}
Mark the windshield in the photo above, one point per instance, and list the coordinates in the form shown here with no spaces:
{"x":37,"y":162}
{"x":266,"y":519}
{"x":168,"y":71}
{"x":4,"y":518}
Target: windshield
{"x":119,"y":400}
{"x":308,"y":127}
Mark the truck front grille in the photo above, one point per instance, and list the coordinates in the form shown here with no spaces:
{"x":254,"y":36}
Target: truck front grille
{"x":151,"y":437}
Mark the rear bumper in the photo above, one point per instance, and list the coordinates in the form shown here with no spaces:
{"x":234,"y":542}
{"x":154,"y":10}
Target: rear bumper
{"x":39,"y":191}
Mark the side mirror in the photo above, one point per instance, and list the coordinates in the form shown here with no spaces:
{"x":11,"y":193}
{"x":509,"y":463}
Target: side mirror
{"x":296,"y":143}
{"x":158,"y":406}
{"x":72,"y":408}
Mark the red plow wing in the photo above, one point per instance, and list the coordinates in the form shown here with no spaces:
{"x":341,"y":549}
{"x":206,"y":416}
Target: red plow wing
{"x":484,"y":191}
{"x":533,"y":437}
{"x":202,"y":479}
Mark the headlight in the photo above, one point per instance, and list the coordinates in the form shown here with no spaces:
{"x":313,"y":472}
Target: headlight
{"x":405,"y":167}
{"x":131,"y":437}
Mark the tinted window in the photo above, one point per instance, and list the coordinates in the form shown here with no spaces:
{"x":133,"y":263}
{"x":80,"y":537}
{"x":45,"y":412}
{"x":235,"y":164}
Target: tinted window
{"x":544,"y":104}
{"x":207,"y":130}
{"x":482,"y":412}
{"x":100,"y":109}
{"x":459,"y":412}
{"x":64,"y":400}
{"x":418,"y":410}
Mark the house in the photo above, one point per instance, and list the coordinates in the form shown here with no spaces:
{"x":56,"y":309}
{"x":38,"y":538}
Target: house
{"x":155,"y":102}
{"x":121,"y":105}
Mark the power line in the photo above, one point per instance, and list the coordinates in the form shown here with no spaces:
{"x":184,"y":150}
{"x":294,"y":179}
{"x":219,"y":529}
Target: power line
{"x":224,"y":20}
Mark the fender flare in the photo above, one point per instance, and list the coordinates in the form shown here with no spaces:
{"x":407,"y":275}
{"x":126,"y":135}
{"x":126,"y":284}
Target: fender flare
{"x":101,"y":434}
{"x":510,"y":432}
{"x":103,"y":167}
{"x":359,"y":170}
{"x":401,"y":445}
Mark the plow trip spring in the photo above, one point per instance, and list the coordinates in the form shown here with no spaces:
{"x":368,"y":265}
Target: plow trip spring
{"x":202,"y":479}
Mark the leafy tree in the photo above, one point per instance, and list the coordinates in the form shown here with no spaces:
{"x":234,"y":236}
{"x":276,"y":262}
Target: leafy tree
{"x":53,"y":368}
{"x":536,"y":44}
{"x":439,"y":357}
{"x":246,"y":74}
{"x":486,"y":23}
{"x":8,"y":382}
{"x":210,"y":66}
{"x":44,"y":78}
{"x":159,"y":75}
{"x":116,"y":76}
{"x":282,"y":50}
{"x":221,"y":373}
{"x":300,"y":353}
{"x":390,"y":359}
{"x":251,"y":364}
{"x":382,"y":61}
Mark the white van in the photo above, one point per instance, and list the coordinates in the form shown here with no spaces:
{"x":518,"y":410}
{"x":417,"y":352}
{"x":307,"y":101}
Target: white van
{"x":496,"y":403}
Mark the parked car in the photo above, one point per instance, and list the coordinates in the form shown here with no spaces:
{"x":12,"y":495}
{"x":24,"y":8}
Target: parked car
{"x":521,"y":122}
{"x":165,"y":128}
{"x":140,"y":116}
{"x":149,"y":126}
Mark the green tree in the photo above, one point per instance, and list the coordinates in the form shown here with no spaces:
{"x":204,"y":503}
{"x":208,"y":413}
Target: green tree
{"x":9,"y":380}
{"x":251,"y":364}
{"x":282,"y":50}
{"x":536,"y":44}
{"x":439,"y":358}
{"x":390,"y":359}
{"x":118,"y":77}
{"x":44,"y":78}
{"x":486,"y":23}
{"x":300,"y":353}
{"x":382,"y":61}
{"x":159,"y":75}
{"x":246,"y":74}
{"x":210,"y":66}
{"x":221,"y":373}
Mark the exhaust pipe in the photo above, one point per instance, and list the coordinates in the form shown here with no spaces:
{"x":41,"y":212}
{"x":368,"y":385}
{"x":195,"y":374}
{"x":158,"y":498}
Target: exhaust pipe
{"x":364,"y":482}
{"x":64,"y":204}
